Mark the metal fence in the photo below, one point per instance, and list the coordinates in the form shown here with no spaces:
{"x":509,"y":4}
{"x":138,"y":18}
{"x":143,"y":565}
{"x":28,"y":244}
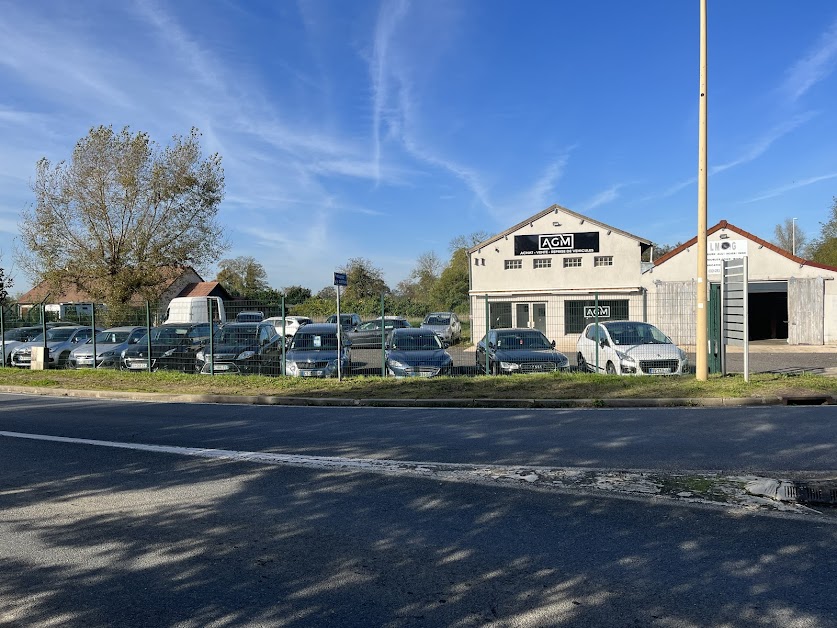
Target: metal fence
{"x":372,"y":348}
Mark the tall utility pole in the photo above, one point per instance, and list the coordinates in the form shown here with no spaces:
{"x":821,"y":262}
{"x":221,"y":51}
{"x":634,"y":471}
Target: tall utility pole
{"x":702,"y":349}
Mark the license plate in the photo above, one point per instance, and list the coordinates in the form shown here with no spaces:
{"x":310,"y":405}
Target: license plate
{"x":84,"y":360}
{"x":308,"y":373}
{"x":659,"y":371}
{"x":222,"y":367}
{"x":139,"y":365}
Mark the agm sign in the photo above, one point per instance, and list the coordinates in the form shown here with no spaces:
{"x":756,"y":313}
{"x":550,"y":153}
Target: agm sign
{"x":557,"y":243}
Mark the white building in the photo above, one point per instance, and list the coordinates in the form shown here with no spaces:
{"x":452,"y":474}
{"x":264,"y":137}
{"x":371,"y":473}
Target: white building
{"x":558,"y":269}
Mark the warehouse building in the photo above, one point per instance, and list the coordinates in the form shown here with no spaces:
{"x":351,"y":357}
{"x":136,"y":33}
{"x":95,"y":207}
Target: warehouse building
{"x":559,"y":270}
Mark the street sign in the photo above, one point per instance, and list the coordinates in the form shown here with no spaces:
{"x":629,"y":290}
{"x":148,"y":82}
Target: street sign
{"x":590,"y":311}
{"x":340,"y":279}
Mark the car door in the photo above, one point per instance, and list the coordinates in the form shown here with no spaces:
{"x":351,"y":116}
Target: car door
{"x":588,"y":345}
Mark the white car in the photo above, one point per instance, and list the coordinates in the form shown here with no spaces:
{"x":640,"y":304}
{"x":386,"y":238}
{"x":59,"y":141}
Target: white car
{"x":292,"y":324}
{"x":629,"y":348}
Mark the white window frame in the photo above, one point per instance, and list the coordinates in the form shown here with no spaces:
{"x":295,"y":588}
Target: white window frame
{"x":603,"y":260}
{"x":513,"y":264}
{"x":572,"y":262}
{"x":542,"y":262}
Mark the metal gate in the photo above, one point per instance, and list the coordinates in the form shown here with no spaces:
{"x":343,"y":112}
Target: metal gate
{"x":806,"y":311}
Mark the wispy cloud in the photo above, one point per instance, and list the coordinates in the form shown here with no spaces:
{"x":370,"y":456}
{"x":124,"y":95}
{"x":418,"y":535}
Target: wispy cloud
{"x":815,"y":66}
{"x":762,"y":144}
{"x":791,"y":186}
{"x":602,"y":198}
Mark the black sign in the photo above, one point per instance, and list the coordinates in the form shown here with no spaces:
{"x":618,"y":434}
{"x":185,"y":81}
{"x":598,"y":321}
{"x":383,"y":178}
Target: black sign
{"x":557,"y":243}
{"x":340,"y":279}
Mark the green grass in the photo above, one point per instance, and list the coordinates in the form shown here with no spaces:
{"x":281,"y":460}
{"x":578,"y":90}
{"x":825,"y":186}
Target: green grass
{"x":546,"y":386}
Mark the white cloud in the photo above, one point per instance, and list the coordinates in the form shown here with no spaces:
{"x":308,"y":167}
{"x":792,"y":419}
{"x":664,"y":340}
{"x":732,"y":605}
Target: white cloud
{"x":815,"y":66}
{"x":791,"y":186}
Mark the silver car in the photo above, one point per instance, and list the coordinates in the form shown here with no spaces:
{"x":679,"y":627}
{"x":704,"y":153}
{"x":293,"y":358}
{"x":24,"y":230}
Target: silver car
{"x":59,"y":340}
{"x":109,"y":346}
{"x":445,"y":324}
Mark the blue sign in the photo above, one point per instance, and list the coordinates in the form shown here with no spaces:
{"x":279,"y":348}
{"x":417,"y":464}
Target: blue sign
{"x":340,"y":279}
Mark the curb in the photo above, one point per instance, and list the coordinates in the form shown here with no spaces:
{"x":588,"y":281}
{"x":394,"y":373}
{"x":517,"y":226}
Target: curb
{"x":270,"y":400}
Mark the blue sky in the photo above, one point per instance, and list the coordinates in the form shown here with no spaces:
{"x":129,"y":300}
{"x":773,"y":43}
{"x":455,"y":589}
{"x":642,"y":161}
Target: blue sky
{"x":384,"y":129}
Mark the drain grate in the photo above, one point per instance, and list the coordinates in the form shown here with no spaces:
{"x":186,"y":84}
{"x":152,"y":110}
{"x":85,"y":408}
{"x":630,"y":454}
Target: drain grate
{"x":812,"y":492}
{"x":808,"y":400}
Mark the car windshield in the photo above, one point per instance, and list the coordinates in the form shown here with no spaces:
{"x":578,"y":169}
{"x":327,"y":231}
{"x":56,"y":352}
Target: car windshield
{"x":314,"y":342}
{"x":436,"y":319}
{"x":345,"y":319}
{"x":237,"y":335}
{"x":57,"y":334}
{"x":112,"y":337}
{"x":521,"y":341}
{"x":636,"y":334}
{"x":416,"y":342}
{"x":169,"y":334}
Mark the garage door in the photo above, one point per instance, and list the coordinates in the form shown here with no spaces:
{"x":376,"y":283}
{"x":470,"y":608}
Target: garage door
{"x":806,"y":311}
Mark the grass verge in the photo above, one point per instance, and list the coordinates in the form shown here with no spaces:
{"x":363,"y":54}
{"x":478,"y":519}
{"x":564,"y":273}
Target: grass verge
{"x":546,"y":386}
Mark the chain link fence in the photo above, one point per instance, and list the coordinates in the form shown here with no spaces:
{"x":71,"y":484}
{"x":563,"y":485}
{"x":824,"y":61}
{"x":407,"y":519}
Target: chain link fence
{"x":385,"y":342}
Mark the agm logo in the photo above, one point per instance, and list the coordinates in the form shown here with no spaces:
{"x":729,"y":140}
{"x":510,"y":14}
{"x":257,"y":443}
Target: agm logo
{"x":556,"y":241}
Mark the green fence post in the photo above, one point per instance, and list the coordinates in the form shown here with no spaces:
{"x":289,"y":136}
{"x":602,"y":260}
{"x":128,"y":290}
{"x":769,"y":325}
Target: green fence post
{"x":596,"y":310}
{"x":148,"y":332}
{"x":44,"y":330}
{"x":284,"y":339}
{"x":2,"y":337}
{"x":93,"y":330}
{"x":383,"y":341}
{"x":485,"y":339}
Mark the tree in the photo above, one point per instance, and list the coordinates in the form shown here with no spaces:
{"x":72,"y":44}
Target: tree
{"x":364,"y":280}
{"x":120,"y":212}
{"x":824,"y":248}
{"x":294,"y":295}
{"x":467,"y":242}
{"x":242,"y":276}
{"x":451,"y":291}
{"x":788,"y":236}
{"x":423,"y":277}
{"x":329,"y":292}
{"x":658,"y":250}
{"x":5,"y":284}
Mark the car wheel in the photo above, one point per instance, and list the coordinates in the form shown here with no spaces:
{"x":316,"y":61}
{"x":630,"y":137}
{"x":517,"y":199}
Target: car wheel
{"x":582,"y":363}
{"x":610,"y":368}
{"x":63,"y":361}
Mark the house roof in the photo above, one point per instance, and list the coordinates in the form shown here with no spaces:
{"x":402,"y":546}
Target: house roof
{"x":72,"y":294}
{"x":554,"y":209}
{"x":205,"y":289}
{"x":754,"y":238}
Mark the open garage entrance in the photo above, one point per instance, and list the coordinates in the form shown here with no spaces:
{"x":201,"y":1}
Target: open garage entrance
{"x":768,"y":310}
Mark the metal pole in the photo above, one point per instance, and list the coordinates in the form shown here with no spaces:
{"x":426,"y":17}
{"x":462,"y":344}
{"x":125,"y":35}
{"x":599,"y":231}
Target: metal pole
{"x":44,"y":330}
{"x":93,"y":330}
{"x":339,"y":343}
{"x":487,"y":329}
{"x":211,"y":337}
{"x":596,"y":312}
{"x":283,"y":335}
{"x":793,"y":236}
{"x":746,"y":282}
{"x":702,"y":350}
{"x":383,"y":341}
{"x":148,"y":332}
{"x":2,"y":337}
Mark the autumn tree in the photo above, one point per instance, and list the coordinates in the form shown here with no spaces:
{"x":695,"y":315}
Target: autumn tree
{"x":423,"y":277}
{"x":451,"y":290}
{"x":5,"y":284}
{"x":823,"y":249}
{"x":242,"y":276}
{"x":790,"y":237}
{"x":364,"y":279}
{"x":120,"y":212}
{"x":294,"y":295}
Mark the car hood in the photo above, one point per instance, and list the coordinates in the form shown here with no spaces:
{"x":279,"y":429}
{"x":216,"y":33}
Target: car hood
{"x":101,"y":347}
{"x":650,"y":351}
{"x":436,"y":328}
{"x":230,"y":348}
{"x":529,"y":355}
{"x":301,"y":355}
{"x":140,"y":349}
{"x":433,"y":357}
{"x":50,"y":345}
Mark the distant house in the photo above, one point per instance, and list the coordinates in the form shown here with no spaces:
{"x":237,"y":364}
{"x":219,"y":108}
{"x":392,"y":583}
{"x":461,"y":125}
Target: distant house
{"x":177,"y":280}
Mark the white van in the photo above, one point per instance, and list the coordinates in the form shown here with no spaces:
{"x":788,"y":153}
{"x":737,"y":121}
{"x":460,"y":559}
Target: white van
{"x":195,"y":310}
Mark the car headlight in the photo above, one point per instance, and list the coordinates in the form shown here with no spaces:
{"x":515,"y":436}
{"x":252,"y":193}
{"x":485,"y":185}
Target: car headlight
{"x":107,"y":354}
{"x":200,"y":356}
{"x":245,"y":355}
{"x":397,"y":365}
{"x":291,"y":368}
{"x":625,"y":357}
{"x":122,"y":355}
{"x":509,"y":366}
{"x":169,"y":353}
{"x":332,"y":365}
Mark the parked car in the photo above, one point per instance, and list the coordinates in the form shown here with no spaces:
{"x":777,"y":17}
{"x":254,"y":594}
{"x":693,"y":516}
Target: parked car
{"x":368,"y":334}
{"x":109,"y":346}
{"x":445,"y":324}
{"x":15,"y":337}
{"x":242,"y":348}
{"x":520,"y":351}
{"x":59,"y":340}
{"x":292,"y":324}
{"x":415,"y":352}
{"x":173,"y":347}
{"x":629,"y":348}
{"x":249,"y":317}
{"x":347,"y":321}
{"x":313,"y":352}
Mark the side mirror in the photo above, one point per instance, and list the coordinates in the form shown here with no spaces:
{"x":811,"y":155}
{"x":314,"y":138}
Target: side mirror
{"x":445,"y":344}
{"x":553,"y":344}
{"x":387,"y":345}
{"x":603,"y":343}
{"x":490,"y":345}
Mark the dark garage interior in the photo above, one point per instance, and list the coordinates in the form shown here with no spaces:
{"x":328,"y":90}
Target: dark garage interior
{"x":768,"y":312}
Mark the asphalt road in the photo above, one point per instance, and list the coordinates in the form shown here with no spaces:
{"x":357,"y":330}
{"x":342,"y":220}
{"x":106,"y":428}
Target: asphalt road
{"x":98,"y":536}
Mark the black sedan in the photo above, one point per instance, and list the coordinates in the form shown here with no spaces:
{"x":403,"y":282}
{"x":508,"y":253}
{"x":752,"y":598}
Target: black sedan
{"x":368,"y":335}
{"x":242,"y":349}
{"x":173,"y":347}
{"x":520,"y":351}
{"x":413,"y":352}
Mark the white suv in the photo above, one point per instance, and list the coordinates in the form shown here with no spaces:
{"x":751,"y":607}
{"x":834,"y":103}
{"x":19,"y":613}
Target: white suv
{"x":292,"y":324}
